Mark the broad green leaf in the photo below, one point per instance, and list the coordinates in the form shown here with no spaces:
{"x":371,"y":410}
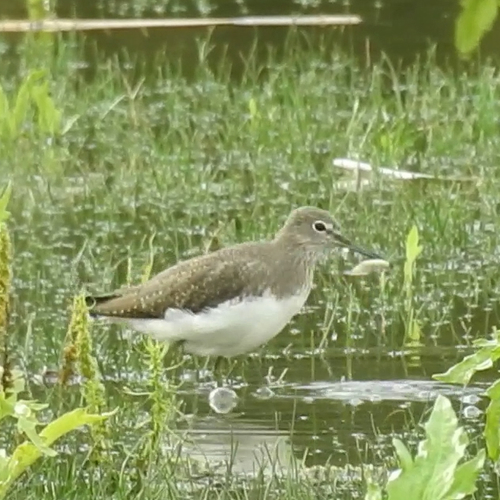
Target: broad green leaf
{"x":477,"y":17}
{"x":49,"y":117}
{"x":4,"y":200}
{"x":373,"y":491}
{"x":413,"y":249}
{"x":68,"y":125}
{"x":6,"y":406}
{"x":444,"y":447}
{"x":28,"y":426}
{"x":492,"y":427}
{"x":70,"y":421}
{"x":22,"y":101}
{"x":27,"y":453}
{"x":466,"y":476}
{"x":405,"y":458}
{"x":252,"y":107}
{"x":414,"y":331}
{"x":4,"y":112}
{"x":18,"y":382}
{"x":493,"y":341}
{"x":462,"y":372}
{"x":4,"y":466}
{"x":435,"y":470}
{"x":34,"y":406}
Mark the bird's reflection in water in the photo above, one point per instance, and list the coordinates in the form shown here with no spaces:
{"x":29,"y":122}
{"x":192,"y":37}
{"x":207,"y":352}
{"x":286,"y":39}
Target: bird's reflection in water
{"x":237,"y":446}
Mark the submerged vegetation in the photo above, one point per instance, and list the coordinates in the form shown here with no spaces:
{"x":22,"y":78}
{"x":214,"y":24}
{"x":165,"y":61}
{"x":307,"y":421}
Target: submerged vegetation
{"x":14,"y":462}
{"x":112,"y":167}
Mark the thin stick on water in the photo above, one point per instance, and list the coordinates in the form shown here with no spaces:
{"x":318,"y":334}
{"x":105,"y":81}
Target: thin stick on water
{"x":108,"y":24}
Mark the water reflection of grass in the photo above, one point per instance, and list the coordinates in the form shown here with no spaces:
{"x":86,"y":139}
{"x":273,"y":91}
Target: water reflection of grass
{"x":210,"y":160}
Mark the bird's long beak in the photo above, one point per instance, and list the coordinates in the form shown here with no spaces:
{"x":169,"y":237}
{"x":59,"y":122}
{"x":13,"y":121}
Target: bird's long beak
{"x":354,"y":248}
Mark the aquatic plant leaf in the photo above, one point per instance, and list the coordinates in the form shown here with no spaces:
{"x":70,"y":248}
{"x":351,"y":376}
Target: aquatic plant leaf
{"x":49,"y":117}
{"x":68,"y":124}
{"x":477,"y":17}
{"x":4,"y":200}
{"x":404,"y":456}
{"x":71,"y":421}
{"x":413,"y":249}
{"x":373,"y":491}
{"x":435,"y":473}
{"x":462,"y":372}
{"x":6,"y":405}
{"x":22,"y":101}
{"x":252,"y":108}
{"x":28,"y":426}
{"x":492,"y":429}
{"x":4,"y":112}
{"x":4,"y":466}
{"x":465,"y":477}
{"x":27,"y":453}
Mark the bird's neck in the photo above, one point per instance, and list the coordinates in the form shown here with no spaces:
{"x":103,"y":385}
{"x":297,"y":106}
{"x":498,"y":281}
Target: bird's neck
{"x":298,"y":261}
{"x":297,"y":250}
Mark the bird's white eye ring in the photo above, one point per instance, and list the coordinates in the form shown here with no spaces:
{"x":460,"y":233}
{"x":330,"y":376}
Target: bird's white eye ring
{"x":319,"y":226}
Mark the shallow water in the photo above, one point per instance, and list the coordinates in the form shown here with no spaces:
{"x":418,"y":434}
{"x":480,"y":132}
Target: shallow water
{"x":336,"y":405}
{"x":400,"y":29}
{"x":339,"y":383}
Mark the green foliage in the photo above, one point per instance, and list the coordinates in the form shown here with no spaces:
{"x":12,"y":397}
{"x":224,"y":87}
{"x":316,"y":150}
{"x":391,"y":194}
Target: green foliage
{"x":462,"y":372}
{"x":79,"y":330}
{"x":32,"y":100}
{"x":175,"y":156}
{"x":492,"y":427}
{"x":436,"y":472}
{"x":38,"y":443}
{"x":161,"y":395}
{"x":413,"y":250}
{"x":475,"y":19}
{"x":4,"y":200}
{"x":161,"y":398}
{"x":93,"y":391}
{"x":5,"y":283}
{"x":483,"y":359}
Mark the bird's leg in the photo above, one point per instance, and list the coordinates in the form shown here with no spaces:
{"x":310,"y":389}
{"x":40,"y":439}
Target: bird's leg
{"x":231,"y":364}
{"x":218,"y":368}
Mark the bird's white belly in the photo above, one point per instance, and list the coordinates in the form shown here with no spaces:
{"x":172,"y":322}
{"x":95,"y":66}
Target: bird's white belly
{"x":234,"y":327}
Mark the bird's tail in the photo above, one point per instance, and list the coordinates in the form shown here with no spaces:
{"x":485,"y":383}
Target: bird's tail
{"x":91,"y":301}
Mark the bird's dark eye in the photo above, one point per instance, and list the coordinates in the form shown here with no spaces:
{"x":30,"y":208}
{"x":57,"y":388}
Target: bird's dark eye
{"x":319,"y":226}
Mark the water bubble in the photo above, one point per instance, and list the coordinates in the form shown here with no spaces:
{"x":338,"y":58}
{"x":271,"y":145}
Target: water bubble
{"x":355,"y":401}
{"x":22,"y":410}
{"x":470,"y":399}
{"x":222,"y":400}
{"x":471,"y":412}
{"x":264,"y":393}
{"x":188,"y":376}
{"x":426,"y":395}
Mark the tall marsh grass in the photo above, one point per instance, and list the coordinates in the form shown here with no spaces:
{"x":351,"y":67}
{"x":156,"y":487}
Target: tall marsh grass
{"x":100,"y":164}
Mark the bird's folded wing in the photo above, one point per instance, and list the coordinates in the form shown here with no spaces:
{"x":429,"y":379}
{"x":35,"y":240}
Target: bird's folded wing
{"x":192,"y":285}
